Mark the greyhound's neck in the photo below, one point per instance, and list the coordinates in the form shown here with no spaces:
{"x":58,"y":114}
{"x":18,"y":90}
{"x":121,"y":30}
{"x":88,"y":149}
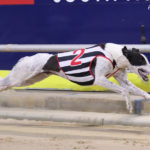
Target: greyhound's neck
{"x":115,"y":50}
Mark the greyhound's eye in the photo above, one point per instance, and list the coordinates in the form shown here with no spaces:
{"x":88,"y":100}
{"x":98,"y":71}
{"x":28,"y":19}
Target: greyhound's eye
{"x":142,"y":70}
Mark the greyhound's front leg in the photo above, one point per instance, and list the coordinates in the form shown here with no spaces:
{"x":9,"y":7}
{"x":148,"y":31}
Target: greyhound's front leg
{"x":104,"y":82}
{"x":122,"y":78}
{"x":133,"y":89}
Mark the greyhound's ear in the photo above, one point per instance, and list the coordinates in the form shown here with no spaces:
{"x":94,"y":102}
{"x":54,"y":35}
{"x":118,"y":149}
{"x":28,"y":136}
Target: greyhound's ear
{"x":125,"y":51}
{"x":103,"y":45}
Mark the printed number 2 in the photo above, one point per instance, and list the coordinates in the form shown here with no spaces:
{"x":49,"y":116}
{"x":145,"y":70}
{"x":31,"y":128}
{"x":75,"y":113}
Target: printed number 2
{"x":75,"y":62}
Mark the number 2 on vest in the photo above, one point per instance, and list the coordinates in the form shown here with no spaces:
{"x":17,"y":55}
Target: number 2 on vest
{"x":75,"y":61}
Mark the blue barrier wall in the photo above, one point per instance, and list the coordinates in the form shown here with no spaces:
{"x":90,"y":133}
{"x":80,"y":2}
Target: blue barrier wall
{"x":75,"y":22}
{"x":72,"y":22}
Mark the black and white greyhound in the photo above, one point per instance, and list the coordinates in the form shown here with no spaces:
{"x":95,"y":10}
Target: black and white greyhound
{"x":90,"y":66}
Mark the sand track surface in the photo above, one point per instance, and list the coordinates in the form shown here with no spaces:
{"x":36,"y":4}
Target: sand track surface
{"x":41,"y":135}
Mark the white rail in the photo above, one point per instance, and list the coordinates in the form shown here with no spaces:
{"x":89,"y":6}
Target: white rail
{"x":59,"y":47}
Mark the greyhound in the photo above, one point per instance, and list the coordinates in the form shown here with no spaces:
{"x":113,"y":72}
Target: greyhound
{"x":90,"y":66}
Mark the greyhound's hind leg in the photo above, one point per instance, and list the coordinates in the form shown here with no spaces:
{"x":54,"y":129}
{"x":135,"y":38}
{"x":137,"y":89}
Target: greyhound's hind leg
{"x":35,"y":79}
{"x":4,"y":84}
{"x":26,"y":69}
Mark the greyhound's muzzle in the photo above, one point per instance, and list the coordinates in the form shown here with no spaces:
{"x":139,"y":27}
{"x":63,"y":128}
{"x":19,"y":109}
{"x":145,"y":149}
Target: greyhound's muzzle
{"x":144,"y":74}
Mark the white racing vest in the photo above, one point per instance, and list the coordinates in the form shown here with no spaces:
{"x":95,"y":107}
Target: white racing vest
{"x":76,"y":65}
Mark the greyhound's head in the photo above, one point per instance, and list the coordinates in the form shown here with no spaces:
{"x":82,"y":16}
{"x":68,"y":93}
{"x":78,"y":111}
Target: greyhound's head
{"x":138,"y":63}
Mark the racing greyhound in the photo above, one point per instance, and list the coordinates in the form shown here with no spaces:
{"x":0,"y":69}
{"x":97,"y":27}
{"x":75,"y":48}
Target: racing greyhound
{"x":90,"y":66}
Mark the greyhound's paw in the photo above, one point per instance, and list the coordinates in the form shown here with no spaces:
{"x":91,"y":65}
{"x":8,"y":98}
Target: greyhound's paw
{"x":147,"y":96}
{"x":130,"y":109}
{"x":129,"y":106}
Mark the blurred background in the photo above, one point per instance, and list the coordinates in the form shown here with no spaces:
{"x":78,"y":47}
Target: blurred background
{"x":73,"y":21}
